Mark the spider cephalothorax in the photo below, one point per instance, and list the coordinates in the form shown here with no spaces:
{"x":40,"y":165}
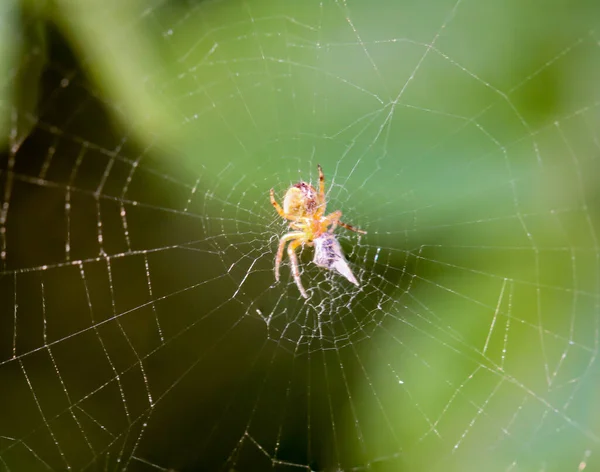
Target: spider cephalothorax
{"x":305,"y":208}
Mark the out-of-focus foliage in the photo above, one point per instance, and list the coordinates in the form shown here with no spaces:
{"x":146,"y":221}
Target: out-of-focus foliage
{"x":22,"y":60}
{"x":117,"y":56}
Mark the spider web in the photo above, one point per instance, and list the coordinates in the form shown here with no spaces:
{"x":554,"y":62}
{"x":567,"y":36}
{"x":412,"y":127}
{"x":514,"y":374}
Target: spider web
{"x":140,"y":324}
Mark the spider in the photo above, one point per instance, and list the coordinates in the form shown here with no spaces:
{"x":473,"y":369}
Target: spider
{"x":305,"y":208}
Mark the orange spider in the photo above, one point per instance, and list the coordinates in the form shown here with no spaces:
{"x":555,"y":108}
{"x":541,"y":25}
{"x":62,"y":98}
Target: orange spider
{"x":304,"y":207}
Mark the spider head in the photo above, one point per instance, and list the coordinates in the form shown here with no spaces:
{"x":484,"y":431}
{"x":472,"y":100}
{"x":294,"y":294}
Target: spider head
{"x":301,"y":200}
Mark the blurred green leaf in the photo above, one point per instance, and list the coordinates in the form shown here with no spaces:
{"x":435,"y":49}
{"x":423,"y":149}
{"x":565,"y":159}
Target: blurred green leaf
{"x":23,"y":57}
{"x":123,"y":67}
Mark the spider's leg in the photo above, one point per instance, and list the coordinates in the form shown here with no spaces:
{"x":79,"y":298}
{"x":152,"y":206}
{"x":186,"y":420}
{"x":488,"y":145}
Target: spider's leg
{"x":291,"y":250}
{"x":322,"y":203}
{"x":277,"y":206}
{"x":282,"y":242}
{"x":332,"y":219}
{"x":351,"y":228}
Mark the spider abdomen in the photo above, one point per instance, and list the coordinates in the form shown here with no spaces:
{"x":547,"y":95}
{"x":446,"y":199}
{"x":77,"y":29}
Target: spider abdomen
{"x":301,"y":200}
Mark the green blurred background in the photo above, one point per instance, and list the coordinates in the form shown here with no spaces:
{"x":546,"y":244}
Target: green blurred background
{"x":140,"y":326}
